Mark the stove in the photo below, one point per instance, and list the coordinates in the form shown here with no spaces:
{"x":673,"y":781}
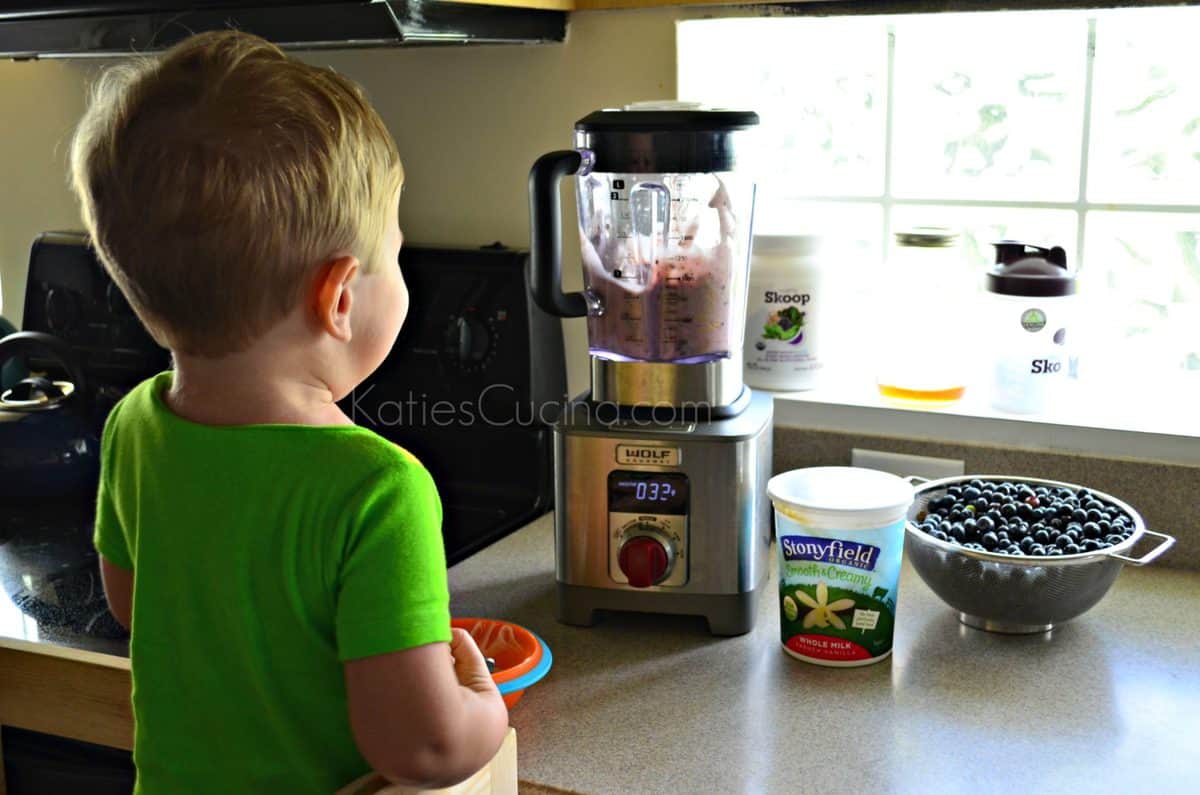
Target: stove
{"x":464,"y":388}
{"x":476,"y":374}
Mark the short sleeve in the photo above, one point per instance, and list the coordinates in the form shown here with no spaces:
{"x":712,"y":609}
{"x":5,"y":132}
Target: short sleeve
{"x":392,"y":589}
{"x":108,"y":536}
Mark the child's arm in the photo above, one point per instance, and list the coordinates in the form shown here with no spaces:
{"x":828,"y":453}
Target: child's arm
{"x":428,"y":716}
{"x":118,"y":590}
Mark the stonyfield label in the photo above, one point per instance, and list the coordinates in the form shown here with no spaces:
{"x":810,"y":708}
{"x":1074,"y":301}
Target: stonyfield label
{"x":824,"y":550}
{"x":837,"y":590}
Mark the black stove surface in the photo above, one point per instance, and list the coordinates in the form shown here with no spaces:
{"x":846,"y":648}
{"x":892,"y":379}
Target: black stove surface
{"x":50,"y":588}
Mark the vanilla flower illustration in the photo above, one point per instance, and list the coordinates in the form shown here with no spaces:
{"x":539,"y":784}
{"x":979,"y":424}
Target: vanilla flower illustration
{"x":822,"y":614}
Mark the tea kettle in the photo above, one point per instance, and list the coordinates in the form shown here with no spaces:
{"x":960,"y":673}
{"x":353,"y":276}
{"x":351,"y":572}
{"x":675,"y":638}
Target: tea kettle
{"x":49,"y":443}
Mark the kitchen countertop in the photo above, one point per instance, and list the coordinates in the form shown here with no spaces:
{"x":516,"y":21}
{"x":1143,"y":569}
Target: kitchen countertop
{"x":1109,"y":702}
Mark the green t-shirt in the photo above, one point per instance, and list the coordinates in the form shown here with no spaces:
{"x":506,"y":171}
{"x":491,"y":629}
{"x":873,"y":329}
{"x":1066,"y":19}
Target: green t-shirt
{"x":264,"y":556}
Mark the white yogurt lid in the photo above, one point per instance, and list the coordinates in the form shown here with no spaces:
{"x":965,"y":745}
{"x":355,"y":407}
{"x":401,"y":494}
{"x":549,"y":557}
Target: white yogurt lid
{"x":843,"y":489}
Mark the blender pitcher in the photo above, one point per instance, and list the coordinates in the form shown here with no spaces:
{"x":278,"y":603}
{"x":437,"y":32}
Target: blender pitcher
{"x":665,"y":223}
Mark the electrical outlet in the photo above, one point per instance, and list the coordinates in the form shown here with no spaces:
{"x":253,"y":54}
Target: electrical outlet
{"x":905,"y":465}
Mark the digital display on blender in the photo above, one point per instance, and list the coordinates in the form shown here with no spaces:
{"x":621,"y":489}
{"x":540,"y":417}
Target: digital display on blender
{"x":647,"y":492}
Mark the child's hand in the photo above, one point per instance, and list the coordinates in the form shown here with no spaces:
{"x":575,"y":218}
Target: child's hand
{"x":469,"y":665}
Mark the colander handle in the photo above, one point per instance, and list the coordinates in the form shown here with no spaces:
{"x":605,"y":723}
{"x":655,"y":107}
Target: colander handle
{"x":916,"y":480}
{"x":1167,"y":543}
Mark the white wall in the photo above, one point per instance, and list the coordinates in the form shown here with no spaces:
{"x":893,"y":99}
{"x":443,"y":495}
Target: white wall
{"x":469,"y":123}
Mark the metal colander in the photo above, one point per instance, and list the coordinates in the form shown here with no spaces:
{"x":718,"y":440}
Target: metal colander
{"x":1018,"y":593}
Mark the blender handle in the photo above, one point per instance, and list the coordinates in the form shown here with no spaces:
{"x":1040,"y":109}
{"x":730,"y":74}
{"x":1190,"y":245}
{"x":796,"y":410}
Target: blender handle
{"x":545,"y":234}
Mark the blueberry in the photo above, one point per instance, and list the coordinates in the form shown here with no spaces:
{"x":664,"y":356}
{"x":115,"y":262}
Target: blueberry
{"x":1052,"y":551}
{"x":981,"y":505}
{"x":1105,"y":526}
{"x":1092,"y":530}
{"x":1094,"y":516}
{"x":972,"y":492}
{"x":990,"y":540}
{"x":1041,"y":536}
{"x":1113,"y":540}
{"x":1056,"y":523}
{"x":1008,"y":510}
{"x":1062,"y":542}
{"x":1093,"y":505}
{"x":1079,"y":515}
{"x":1091,"y":545}
{"x":975,"y":483}
{"x":1037,"y":549}
{"x":940,"y":536}
{"x":1072,"y":549}
{"x":1026,"y":544}
{"x":985,"y":524}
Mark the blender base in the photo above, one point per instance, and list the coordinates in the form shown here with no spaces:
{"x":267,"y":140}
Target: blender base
{"x":727,"y":614}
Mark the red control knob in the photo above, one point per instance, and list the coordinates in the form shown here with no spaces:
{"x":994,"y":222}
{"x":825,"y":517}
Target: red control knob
{"x":644,"y":561}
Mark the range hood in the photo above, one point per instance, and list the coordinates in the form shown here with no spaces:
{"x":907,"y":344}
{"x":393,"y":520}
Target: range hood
{"x":79,"y":28}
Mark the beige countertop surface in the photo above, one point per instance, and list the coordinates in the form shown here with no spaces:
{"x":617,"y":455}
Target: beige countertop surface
{"x":1109,"y":702}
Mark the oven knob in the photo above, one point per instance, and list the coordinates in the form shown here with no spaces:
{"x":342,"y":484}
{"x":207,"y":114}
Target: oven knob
{"x":468,"y":339}
{"x":645,"y":561}
{"x":62,"y":311}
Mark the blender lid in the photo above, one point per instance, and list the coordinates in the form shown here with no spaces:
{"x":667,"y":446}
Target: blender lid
{"x":1030,"y":271}
{"x":667,"y":116}
{"x":665,"y":138}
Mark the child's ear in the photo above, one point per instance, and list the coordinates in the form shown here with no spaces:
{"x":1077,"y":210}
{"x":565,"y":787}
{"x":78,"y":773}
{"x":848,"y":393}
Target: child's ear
{"x":332,"y":297}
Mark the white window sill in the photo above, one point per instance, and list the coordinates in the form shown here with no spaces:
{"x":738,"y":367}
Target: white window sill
{"x":1154,"y":428}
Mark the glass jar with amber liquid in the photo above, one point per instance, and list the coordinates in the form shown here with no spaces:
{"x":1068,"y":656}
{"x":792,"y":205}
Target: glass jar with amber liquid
{"x":922,"y":352}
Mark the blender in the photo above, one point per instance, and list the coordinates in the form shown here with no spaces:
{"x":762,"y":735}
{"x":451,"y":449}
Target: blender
{"x":661,"y":467}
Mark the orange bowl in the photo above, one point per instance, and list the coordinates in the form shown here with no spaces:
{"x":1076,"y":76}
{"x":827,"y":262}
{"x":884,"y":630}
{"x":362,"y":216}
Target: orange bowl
{"x":515,"y":649}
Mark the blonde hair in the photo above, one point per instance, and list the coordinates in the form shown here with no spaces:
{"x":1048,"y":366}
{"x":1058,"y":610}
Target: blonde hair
{"x":216,"y":180}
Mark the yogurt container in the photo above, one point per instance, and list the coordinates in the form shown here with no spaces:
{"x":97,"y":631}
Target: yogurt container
{"x":840,"y":539}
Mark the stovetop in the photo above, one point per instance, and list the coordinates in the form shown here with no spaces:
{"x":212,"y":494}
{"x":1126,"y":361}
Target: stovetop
{"x":50,"y":588}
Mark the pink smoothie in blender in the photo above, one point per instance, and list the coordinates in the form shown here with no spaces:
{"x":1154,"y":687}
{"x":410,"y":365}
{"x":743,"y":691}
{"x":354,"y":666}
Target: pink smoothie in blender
{"x":664,"y":260}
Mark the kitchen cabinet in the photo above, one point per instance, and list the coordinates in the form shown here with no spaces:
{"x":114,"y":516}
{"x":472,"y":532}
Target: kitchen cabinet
{"x":72,"y":693}
{"x":84,"y":695}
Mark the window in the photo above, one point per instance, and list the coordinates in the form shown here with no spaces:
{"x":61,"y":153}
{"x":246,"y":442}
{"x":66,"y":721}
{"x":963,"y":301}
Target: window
{"x":1072,"y":128}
